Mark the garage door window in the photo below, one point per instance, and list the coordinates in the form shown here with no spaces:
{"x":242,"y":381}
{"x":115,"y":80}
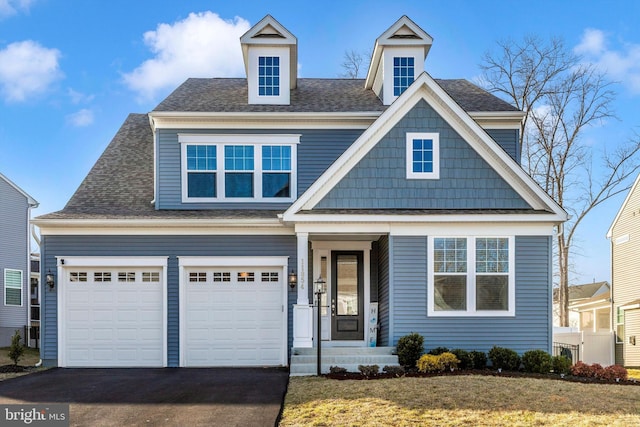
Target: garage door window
{"x":126,"y":276}
{"x":246,"y":276}
{"x":198,"y":277}
{"x":150,"y":276}
{"x":102,"y":276}
{"x":271,"y":276}
{"x":78,"y":276}
{"x":221,"y":276}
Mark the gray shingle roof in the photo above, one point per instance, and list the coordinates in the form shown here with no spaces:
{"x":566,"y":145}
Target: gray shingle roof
{"x":312,"y":95}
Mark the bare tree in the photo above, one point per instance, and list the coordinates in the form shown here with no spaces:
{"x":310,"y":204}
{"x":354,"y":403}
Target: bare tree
{"x":354,"y":63}
{"x":562,"y":97}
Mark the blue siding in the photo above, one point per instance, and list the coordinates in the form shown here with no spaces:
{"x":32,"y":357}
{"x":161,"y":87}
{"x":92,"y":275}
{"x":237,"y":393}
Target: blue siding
{"x":508,"y":140}
{"x":529,"y":329}
{"x":317,"y":150}
{"x":14,"y":254}
{"x":170,"y":246}
{"x":466,"y":180}
{"x":383,"y":291}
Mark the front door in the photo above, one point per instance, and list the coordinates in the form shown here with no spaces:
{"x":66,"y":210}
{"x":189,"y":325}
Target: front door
{"x":347,"y":295}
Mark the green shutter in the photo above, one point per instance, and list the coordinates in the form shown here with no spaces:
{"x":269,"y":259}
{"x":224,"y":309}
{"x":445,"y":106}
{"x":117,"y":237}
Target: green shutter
{"x":13,"y":287}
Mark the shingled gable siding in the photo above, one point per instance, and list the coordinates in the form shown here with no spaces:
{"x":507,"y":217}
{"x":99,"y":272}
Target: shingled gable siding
{"x":13,"y":255}
{"x":379,"y":179}
{"x":529,"y":329}
{"x":316,"y":151}
{"x":508,"y":140}
{"x":169,"y":246}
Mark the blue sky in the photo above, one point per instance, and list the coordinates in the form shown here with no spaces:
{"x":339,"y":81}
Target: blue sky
{"x":71,"y":71}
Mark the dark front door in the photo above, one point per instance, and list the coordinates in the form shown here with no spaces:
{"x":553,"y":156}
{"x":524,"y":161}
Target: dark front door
{"x":347,"y":296}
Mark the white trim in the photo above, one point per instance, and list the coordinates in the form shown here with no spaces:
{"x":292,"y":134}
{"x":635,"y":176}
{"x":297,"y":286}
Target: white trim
{"x":425,"y":88}
{"x":622,"y":239}
{"x":255,"y":141}
{"x":15,"y":270}
{"x":435,"y":138}
{"x":281,"y":52}
{"x":30,"y":200}
{"x":222,"y":261}
{"x":64,"y":262}
{"x":420,"y":229}
{"x":629,"y":307}
{"x":389,"y":54}
{"x":471,"y":282}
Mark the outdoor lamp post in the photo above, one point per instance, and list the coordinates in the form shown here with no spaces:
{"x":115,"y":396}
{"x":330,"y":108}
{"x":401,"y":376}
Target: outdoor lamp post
{"x":319,"y":286}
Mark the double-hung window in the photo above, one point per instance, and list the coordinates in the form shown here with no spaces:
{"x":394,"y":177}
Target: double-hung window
{"x":12,"y":287}
{"x":423,"y":155}
{"x":238,"y":168}
{"x":269,"y":76}
{"x":471,"y":276}
{"x":201,"y":171}
{"x":403,"y":73}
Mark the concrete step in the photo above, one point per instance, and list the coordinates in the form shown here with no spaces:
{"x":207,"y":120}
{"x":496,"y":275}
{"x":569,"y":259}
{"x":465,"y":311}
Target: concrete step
{"x":304,"y":360}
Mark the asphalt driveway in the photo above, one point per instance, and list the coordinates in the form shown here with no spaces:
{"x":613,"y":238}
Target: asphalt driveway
{"x":156,"y":397}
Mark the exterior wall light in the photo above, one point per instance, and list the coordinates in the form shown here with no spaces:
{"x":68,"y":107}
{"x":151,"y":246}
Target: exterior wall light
{"x":293,"y":279}
{"x":50,"y":280}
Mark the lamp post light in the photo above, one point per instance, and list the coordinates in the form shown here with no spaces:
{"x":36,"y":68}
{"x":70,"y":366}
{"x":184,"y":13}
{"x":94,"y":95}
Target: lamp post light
{"x":319,"y":285}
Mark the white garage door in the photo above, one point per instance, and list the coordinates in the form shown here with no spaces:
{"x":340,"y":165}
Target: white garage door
{"x":113,"y":316}
{"x":233,"y":316}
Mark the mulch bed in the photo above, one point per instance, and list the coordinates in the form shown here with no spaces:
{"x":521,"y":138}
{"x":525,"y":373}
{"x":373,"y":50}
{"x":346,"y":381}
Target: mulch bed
{"x":485,"y":372}
{"x":7,"y":369}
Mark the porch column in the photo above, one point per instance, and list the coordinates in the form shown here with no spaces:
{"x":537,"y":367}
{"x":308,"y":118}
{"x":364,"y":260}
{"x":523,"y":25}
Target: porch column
{"x":302,"y":312}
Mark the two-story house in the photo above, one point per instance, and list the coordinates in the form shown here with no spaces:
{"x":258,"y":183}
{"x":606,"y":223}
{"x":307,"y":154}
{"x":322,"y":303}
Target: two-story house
{"x":624,"y":235}
{"x":199,"y":234}
{"x":15,"y":259}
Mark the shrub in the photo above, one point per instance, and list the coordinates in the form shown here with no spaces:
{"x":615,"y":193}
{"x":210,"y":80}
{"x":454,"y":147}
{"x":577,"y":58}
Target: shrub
{"x":504,"y":358}
{"x":438,"y":350}
{"x":561,"y":364}
{"x":437,"y":363}
{"x":537,"y":361}
{"x":337,"y":370}
{"x":448,"y":361}
{"x":478,"y":359}
{"x":410,"y":348}
{"x":614,"y":372}
{"x":368,"y":370}
{"x":598,"y":370}
{"x":581,"y":369}
{"x":16,"y":350}
{"x":429,"y":363}
{"x":464,"y":357}
{"x":394,"y":370}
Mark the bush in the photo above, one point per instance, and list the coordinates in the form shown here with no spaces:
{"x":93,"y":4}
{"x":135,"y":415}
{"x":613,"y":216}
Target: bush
{"x":410,"y":348}
{"x":614,"y":372}
{"x":429,"y":363}
{"x":368,"y":370}
{"x":448,"y":361}
{"x":504,"y":358}
{"x":394,"y":370}
{"x":581,"y":369}
{"x":16,"y":350}
{"x":464,"y":357}
{"x":561,"y":364}
{"x":537,"y":361}
{"x":438,"y":351}
{"x":337,"y":370}
{"x":598,"y":370}
{"x":437,"y":363}
{"x":478,"y":359}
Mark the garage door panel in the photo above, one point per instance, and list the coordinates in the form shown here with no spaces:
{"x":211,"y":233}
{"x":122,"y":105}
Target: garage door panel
{"x":110,"y":323}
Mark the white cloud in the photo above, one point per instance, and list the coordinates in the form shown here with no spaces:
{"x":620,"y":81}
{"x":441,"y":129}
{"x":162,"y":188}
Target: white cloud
{"x":202,"y":45}
{"x":621,"y":64}
{"x":11,"y":7}
{"x":27,"y":69}
{"x":78,"y":97}
{"x":81,"y":118}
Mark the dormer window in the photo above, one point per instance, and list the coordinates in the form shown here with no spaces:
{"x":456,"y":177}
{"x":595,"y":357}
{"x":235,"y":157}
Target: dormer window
{"x":269,"y":76}
{"x":403,"y":74}
{"x":238,"y":168}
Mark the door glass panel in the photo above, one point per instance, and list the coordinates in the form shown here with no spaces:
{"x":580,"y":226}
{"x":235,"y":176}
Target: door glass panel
{"x":347,"y":285}
{"x":323,"y":274}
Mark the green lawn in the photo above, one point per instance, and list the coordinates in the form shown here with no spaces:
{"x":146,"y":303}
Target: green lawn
{"x":458,"y":400}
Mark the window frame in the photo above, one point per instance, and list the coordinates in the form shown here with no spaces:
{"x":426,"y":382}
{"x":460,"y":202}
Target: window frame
{"x":471,"y":275}
{"x":257,"y":141}
{"x":399,"y":89}
{"x":21,"y":287}
{"x":620,"y":313}
{"x":274,"y":87}
{"x":435,"y":137}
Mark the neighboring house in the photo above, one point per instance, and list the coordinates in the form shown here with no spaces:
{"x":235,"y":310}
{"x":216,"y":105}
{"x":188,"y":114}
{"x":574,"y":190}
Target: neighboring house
{"x":589,"y":307}
{"x":624,"y":235}
{"x":15,"y":253}
{"x":198,"y":236}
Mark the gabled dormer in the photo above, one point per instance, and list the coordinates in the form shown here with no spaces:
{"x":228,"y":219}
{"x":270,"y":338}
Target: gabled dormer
{"x":270,"y":55}
{"x":398,"y":58}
